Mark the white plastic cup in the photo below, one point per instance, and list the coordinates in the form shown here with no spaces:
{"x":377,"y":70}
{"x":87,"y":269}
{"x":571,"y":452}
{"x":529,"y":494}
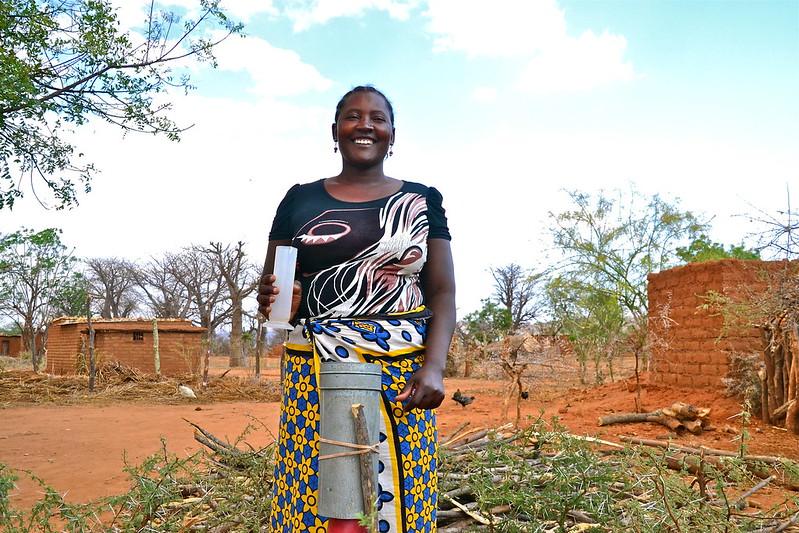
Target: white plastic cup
{"x":285,"y":263}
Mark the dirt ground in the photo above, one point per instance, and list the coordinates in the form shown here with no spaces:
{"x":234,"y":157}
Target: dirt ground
{"x":80,"y":450}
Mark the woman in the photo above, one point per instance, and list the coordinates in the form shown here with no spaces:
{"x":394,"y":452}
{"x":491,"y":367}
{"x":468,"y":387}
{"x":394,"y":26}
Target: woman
{"x":376,"y":284}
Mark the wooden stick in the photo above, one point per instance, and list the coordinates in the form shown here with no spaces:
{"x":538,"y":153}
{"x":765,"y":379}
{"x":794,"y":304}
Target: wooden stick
{"x":741,"y":500}
{"x":779,"y":527}
{"x":469,"y":436}
{"x":455,"y":433}
{"x":697,"y":451}
{"x":367,"y":466}
{"x":92,"y":361}
{"x":480,"y":518}
{"x":156,"y":349}
{"x":780,"y":411}
{"x":594,"y":440}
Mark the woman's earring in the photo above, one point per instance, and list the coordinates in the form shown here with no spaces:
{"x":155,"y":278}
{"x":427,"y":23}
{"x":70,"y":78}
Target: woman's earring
{"x":335,"y":146}
{"x":390,"y":150}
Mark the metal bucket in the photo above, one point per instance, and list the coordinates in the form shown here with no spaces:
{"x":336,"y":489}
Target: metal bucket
{"x":340,"y":386}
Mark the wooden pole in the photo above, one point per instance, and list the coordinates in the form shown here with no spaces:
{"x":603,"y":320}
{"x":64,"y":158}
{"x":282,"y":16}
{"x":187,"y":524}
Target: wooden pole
{"x":207,"y":360}
{"x":259,"y":345}
{"x":156,"y":350}
{"x":367,"y":466}
{"x":92,"y":362}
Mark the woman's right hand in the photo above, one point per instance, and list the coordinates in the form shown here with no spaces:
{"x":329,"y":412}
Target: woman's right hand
{"x":267,"y":292}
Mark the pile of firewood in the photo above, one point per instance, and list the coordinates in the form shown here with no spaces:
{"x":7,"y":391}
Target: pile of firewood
{"x":679,"y":418}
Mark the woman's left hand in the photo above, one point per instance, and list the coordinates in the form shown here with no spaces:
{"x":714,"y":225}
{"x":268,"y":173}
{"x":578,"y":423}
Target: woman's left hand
{"x":425,"y":389}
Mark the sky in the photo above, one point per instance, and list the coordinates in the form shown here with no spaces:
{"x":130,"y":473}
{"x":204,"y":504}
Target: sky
{"x":504,"y":106}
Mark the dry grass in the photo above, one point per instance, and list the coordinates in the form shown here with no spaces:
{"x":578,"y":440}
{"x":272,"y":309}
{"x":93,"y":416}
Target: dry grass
{"x":117,"y":382}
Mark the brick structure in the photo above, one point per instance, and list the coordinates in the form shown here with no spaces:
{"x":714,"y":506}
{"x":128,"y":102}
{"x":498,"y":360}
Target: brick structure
{"x":129,"y":341}
{"x":10,"y":345}
{"x":688,"y":347}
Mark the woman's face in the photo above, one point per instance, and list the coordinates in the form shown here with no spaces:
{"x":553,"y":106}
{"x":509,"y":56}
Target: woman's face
{"x":364,"y":130}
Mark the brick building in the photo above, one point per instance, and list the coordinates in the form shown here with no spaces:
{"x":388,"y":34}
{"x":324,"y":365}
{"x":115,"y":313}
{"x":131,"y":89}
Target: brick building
{"x":13,"y":346}
{"x":10,"y":345}
{"x":129,"y":341}
{"x":690,"y":347}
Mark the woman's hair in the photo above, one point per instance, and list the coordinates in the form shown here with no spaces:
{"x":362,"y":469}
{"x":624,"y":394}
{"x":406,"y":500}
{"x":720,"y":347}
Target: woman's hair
{"x":360,"y":89}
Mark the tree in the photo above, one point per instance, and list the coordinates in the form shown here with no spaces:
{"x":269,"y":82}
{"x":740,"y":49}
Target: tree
{"x":518,"y":291}
{"x":112,"y":286}
{"x":479,"y":328}
{"x":610,"y":248}
{"x":488,"y":324}
{"x":164,"y":294}
{"x":37,"y":272}
{"x":241,"y":280}
{"x":613,"y":247}
{"x":703,"y":249}
{"x":71,"y":299}
{"x":67,"y":61}
{"x":197,"y":271}
{"x":593,"y":321}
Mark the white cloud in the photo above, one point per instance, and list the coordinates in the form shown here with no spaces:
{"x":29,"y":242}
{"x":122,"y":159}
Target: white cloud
{"x":500,"y":28}
{"x":274,"y":71}
{"x":243,"y":10}
{"x":578,"y":64}
{"x":484,"y":94}
{"x":534,"y":31}
{"x":307,"y":13}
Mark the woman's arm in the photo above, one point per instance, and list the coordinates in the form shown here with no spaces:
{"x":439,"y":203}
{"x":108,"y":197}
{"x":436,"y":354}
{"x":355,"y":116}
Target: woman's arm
{"x":425,"y":390}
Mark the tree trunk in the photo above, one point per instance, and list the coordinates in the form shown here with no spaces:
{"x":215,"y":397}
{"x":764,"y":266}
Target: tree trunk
{"x":29,"y":342}
{"x":259,"y":346}
{"x":237,"y":358}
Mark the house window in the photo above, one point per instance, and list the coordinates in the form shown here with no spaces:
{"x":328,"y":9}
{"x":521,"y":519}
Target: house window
{"x":4,"y":347}
{"x":138,"y":335}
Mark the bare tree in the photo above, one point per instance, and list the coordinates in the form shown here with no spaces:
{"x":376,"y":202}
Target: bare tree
{"x":241,"y":279}
{"x":518,"y":290}
{"x":112,"y":286}
{"x":779,"y":234}
{"x":165,"y":295}
{"x":198,"y":272}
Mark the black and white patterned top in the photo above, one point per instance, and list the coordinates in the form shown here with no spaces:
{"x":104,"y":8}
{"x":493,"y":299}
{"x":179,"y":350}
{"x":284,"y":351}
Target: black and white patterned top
{"x":359,"y":258}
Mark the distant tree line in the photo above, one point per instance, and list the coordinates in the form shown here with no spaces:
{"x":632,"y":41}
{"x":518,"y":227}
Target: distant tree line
{"x":41,"y":279}
{"x":595,"y":290}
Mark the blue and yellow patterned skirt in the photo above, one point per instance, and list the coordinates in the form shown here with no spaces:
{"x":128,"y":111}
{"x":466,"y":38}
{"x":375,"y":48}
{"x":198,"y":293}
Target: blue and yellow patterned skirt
{"x":407,"y":483}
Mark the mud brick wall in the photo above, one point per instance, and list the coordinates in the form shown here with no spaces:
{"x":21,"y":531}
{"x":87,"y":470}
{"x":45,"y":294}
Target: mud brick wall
{"x":179,"y":352}
{"x":688,"y":346}
{"x":63,"y":347}
{"x":10,"y":345}
{"x":129,"y":342}
{"x":15,"y":346}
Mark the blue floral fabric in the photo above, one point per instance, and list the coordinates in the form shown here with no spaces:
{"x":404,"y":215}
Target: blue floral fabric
{"x":407,"y":482}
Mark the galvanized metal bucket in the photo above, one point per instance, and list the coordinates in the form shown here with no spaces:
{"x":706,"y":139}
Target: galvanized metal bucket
{"x":340,"y":386}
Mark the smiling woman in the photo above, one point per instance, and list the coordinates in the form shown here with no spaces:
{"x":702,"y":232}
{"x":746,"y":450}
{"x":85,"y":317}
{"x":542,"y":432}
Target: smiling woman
{"x":375,"y":284}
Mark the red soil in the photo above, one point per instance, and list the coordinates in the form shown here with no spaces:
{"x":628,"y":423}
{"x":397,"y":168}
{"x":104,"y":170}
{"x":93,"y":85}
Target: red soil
{"x":79,"y":450}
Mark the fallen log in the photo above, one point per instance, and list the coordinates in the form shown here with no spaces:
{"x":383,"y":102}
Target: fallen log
{"x":656,"y":416}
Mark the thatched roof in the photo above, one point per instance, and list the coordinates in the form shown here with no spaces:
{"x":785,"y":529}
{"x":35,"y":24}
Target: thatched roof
{"x":131,"y":324}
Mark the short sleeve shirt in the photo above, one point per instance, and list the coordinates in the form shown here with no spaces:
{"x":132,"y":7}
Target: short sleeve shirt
{"x":360,"y":258}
